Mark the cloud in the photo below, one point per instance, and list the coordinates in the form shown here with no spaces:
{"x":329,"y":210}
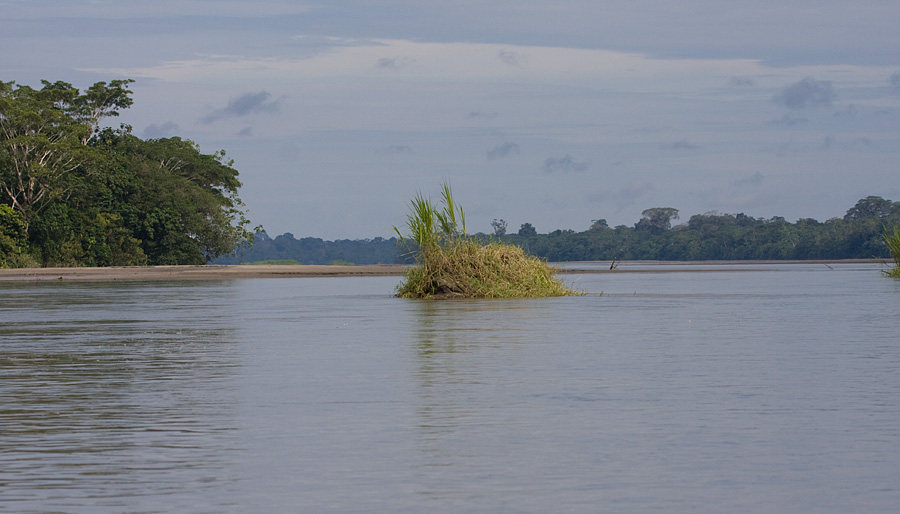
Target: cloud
{"x":167,"y":129}
{"x":510,"y":58}
{"x":742,"y":193}
{"x":741,"y":82}
{"x":852,"y":144}
{"x":504,"y":150}
{"x":624,"y":197}
{"x":732,"y":199}
{"x":398,"y":149}
{"x":754,"y":180}
{"x":246,"y":132}
{"x":895,"y":80}
{"x":681,"y":145}
{"x":244,"y":105}
{"x":565,"y":164}
{"x":387,"y":62}
{"x":809,"y":92}
{"x":393,"y":63}
{"x":789,"y":121}
{"x":848,"y":112}
{"x":94,"y":9}
{"x":482,"y":115}
{"x":450,"y":62}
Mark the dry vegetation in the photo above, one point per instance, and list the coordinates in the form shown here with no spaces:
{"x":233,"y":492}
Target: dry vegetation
{"x":452,"y":265}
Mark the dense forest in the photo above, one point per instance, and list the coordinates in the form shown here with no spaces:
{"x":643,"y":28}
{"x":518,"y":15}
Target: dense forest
{"x":859,"y":234}
{"x":73,"y":193}
{"x":715,"y":236}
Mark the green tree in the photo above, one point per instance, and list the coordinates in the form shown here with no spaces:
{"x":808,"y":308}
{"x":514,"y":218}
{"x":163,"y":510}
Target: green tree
{"x":93,"y":196}
{"x":527,"y":229}
{"x":599,"y":224}
{"x":657,"y":220}
{"x":41,"y":145}
{"x":181,"y":204}
{"x":99,"y":101}
{"x":13,"y":236}
{"x":869,"y":207}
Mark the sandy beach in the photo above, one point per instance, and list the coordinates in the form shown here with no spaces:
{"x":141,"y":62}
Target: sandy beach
{"x":208,"y":272}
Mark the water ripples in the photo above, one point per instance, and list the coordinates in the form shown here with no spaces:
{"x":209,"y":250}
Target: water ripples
{"x":695,"y":392}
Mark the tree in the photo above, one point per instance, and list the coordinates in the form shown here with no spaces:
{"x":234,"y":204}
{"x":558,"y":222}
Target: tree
{"x":99,"y":101}
{"x":181,"y":204}
{"x":91,"y":196}
{"x":13,"y":237}
{"x":499,"y":227}
{"x":870,"y":207}
{"x":599,"y":224}
{"x":657,"y":220}
{"x":41,"y":144}
{"x":526,"y":229}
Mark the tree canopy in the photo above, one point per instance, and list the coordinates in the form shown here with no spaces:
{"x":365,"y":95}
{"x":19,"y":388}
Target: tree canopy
{"x":718,"y":236}
{"x":77,"y":194}
{"x":870,"y":207}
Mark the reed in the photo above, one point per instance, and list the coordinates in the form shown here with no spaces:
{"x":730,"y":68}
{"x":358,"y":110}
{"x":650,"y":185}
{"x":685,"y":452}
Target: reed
{"x":450,"y":264}
{"x":892,"y":241}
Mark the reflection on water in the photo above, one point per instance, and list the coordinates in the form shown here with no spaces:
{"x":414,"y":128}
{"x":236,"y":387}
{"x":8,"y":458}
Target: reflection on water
{"x":458,"y":345}
{"x":106,"y":386}
{"x":770,"y":390}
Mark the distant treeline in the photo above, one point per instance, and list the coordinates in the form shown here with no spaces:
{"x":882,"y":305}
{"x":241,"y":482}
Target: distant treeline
{"x":709,"y":236}
{"x":312,"y":250}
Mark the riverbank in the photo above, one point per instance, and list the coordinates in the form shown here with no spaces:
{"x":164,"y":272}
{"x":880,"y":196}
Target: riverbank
{"x":224,"y":272}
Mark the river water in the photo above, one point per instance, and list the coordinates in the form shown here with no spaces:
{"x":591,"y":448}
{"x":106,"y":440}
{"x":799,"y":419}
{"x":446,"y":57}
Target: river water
{"x":771,"y":389}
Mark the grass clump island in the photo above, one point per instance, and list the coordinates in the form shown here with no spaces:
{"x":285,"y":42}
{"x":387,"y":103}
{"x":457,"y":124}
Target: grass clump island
{"x":892,"y":241}
{"x":451,"y":264}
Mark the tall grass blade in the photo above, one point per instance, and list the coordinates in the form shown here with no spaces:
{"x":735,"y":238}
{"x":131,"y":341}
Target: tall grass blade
{"x":892,"y":241}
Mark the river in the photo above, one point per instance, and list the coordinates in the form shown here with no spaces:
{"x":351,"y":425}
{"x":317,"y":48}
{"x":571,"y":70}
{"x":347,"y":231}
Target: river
{"x":765,"y":388}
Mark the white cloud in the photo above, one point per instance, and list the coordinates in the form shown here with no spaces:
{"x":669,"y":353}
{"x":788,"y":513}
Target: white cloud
{"x":457,"y":61}
{"x":137,"y":9}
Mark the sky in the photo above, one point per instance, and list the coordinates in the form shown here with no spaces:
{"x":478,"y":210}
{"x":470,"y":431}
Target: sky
{"x":337,"y":113}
